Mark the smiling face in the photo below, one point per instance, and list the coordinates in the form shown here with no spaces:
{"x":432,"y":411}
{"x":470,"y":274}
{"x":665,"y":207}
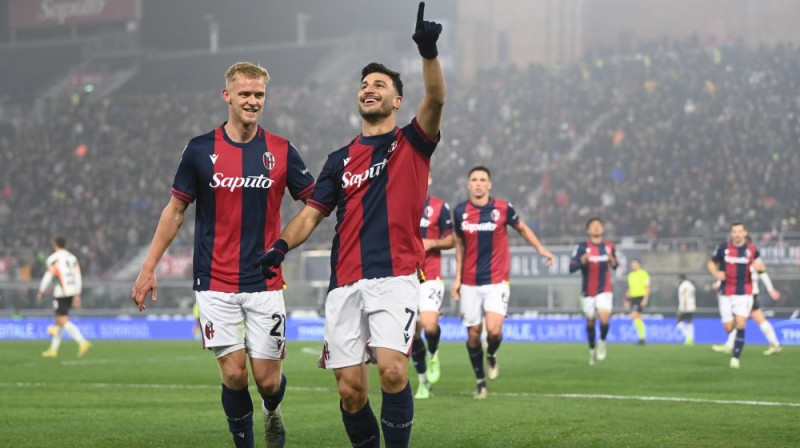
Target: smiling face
{"x":479,"y":185}
{"x":245,"y":98}
{"x":377,"y":97}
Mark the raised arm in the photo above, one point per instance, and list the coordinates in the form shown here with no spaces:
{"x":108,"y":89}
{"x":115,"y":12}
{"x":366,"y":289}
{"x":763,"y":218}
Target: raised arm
{"x":528,"y":235}
{"x":168,"y":226}
{"x":429,"y":114}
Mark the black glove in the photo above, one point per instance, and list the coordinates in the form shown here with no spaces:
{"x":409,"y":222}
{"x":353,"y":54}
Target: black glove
{"x":272,"y":259}
{"x":426,"y":35}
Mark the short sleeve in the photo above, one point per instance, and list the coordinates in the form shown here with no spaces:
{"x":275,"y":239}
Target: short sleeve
{"x":445,"y":220}
{"x":719,"y":254}
{"x":421,"y":141}
{"x":299,"y":180}
{"x":183,"y":186}
{"x":513,"y":217}
{"x":326,"y":190}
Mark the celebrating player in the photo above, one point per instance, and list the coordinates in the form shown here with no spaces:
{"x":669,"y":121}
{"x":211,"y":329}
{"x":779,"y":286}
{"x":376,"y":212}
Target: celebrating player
{"x":482,"y":269}
{"x":731,"y":263}
{"x":595,"y":258}
{"x":378,"y":183}
{"x":237,"y":173}
{"x":436,"y":228}
{"x":637,"y":296}
{"x":64,"y":267}
{"x":687,"y":305}
{"x":758,"y":316}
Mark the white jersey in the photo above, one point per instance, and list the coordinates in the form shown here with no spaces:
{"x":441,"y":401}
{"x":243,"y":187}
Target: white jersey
{"x":64,"y":267}
{"x":686,"y":297}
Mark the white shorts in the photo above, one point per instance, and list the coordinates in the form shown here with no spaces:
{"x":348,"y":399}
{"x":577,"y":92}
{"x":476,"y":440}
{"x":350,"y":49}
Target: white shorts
{"x":431,"y":293}
{"x":252,"y":320}
{"x":367,"y":314}
{"x":735,"y":305}
{"x":477,"y":299}
{"x":603,"y":301}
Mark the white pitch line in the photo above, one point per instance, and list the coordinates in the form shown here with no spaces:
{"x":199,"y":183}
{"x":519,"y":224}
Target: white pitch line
{"x":86,"y":362}
{"x":501,"y":394}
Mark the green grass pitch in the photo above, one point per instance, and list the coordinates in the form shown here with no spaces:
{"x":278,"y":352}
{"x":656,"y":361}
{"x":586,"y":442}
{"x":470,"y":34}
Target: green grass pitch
{"x":166,"y":394}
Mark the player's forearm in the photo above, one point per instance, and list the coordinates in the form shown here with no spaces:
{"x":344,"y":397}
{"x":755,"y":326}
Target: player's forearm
{"x":168,"y":226}
{"x":459,"y":258}
{"x":433,"y":78}
{"x":530,"y":237}
{"x":46,"y":279}
{"x":445,"y":243}
{"x":301,"y":226}
{"x":767,"y":281}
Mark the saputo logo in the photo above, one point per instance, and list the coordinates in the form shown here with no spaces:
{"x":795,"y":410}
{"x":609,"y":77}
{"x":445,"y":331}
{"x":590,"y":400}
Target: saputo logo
{"x":349,"y":179}
{"x":233,"y":182}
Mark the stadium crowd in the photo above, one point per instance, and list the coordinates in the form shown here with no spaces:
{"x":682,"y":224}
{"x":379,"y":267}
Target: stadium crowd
{"x":666,"y":139}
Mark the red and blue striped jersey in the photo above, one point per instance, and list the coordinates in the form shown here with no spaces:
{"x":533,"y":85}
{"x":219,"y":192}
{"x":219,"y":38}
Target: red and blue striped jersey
{"x":597,"y":272}
{"x":435,"y":224}
{"x":377,"y":185}
{"x":238,"y":188}
{"x":487,"y":259}
{"x":736,"y":261}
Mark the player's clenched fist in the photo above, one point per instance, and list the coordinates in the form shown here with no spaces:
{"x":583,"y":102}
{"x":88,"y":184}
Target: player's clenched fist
{"x":273,"y":258}
{"x":426,"y":34}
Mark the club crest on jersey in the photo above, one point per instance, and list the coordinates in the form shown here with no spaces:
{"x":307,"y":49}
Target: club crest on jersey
{"x":428,"y":212}
{"x":269,"y":160}
{"x":209,"y":330}
{"x":495,"y":215}
{"x":393,"y":147}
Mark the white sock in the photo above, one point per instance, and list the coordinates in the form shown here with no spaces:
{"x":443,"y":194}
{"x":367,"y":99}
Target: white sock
{"x":682,"y":327}
{"x":55,"y":340}
{"x":731,"y":339}
{"x":769,"y":333}
{"x":75,"y":332}
{"x":690,"y":331}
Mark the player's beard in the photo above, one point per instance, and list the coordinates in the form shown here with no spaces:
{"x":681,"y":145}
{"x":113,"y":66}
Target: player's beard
{"x":376,"y":115}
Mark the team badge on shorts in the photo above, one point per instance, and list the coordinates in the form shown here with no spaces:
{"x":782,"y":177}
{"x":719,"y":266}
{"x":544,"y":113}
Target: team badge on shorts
{"x":269,"y":160}
{"x":209,"y":331}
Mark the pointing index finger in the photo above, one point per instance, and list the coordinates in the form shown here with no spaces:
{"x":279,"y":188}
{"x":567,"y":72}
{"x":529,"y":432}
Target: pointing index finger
{"x":420,"y":14}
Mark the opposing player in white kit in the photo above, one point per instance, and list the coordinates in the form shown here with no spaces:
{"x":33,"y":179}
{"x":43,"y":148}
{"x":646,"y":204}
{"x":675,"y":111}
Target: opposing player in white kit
{"x":687,"y":305}
{"x":238,"y":174}
{"x":64,"y":267}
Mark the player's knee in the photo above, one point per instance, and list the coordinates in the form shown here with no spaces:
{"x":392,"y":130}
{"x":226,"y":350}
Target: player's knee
{"x":393,"y":375}
{"x":494,"y":333}
{"x":234,"y":376}
{"x":269,"y":385}
{"x":353,"y":395}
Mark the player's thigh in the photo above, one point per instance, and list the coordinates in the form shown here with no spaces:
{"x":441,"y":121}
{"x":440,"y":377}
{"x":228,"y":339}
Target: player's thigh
{"x":742,"y":305}
{"x":494,"y":323}
{"x":346,"y":330}
{"x":431,"y":293}
{"x":495,"y":298}
{"x":725,"y":308}
{"x":604,"y":302}
{"x":265,"y":324}
{"x":221,"y":321}
{"x":391,"y":307}
{"x":588,"y":305}
{"x":471,"y":305}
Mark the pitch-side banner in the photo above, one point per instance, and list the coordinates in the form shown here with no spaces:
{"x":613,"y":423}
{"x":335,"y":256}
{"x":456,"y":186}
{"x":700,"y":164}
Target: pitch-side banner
{"x":525,"y":263}
{"x":45,"y":13}
{"x":543,"y":330}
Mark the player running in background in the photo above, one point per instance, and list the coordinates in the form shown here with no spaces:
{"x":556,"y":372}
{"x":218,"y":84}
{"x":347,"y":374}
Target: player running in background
{"x":378,"y":184}
{"x":758,"y":316}
{"x":637,"y":296}
{"x":237,"y":173}
{"x":595,"y":258}
{"x":436,"y":227}
{"x":731,"y":264}
{"x":687,"y":305}
{"x":482,"y":269}
{"x":65,"y":269}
